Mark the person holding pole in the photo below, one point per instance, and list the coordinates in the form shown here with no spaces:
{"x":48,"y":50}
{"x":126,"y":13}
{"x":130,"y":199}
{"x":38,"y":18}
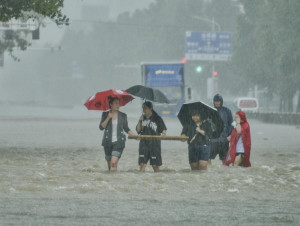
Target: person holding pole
{"x":150,"y":123}
{"x":199,"y":132}
{"x":114,"y":123}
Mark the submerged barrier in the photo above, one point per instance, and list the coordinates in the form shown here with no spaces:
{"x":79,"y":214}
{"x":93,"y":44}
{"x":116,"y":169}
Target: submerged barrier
{"x":276,"y":117}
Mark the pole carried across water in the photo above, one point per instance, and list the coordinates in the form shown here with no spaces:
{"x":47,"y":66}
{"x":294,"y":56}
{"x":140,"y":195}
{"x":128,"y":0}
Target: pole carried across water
{"x":156,"y":137}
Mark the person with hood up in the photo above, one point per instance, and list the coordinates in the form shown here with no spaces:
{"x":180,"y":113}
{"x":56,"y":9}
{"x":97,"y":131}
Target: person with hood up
{"x":220,"y":145}
{"x":240,"y":142}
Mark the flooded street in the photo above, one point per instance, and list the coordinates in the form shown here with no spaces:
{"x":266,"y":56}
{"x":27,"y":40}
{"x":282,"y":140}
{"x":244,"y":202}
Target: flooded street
{"x":64,"y":61}
{"x":53,"y":172}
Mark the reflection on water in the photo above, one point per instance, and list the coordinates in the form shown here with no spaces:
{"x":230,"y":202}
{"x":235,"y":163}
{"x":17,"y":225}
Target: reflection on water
{"x":53,"y":172}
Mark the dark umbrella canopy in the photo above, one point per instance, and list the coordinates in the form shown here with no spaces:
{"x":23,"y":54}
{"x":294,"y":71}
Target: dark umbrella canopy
{"x":207,"y":112}
{"x":148,"y":93}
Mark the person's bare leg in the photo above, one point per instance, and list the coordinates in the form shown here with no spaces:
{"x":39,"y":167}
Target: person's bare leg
{"x":194,"y":166}
{"x":237,"y":161}
{"x":108,"y":165}
{"x":143,"y":167}
{"x":202,"y":165}
{"x":114,"y":163}
{"x":155,"y":168}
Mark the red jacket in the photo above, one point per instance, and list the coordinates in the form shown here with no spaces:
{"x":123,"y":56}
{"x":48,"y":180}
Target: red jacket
{"x":246,"y":138}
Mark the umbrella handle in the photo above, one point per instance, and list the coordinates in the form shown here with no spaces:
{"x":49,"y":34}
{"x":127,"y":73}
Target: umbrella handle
{"x":193,"y":138}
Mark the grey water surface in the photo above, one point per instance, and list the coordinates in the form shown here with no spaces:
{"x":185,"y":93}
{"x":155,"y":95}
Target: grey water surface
{"x":53,"y":172}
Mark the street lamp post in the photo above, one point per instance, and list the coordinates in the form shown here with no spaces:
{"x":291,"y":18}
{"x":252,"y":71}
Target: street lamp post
{"x":213,"y":78}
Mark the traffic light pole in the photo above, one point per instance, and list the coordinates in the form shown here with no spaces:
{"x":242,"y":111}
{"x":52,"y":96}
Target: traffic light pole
{"x":213,"y":79}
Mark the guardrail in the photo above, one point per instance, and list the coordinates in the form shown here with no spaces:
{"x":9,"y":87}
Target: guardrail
{"x":276,"y":117}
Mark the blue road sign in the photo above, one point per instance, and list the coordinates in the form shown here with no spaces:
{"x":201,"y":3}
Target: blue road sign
{"x":208,"y":45}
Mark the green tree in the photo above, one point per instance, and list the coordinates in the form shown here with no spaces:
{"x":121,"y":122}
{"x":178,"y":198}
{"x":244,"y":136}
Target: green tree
{"x":48,"y":8}
{"x":29,"y":9}
{"x":156,"y":33}
{"x":266,"y":50}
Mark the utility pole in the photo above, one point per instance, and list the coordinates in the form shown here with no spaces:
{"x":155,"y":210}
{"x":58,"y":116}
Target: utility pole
{"x":212,"y":81}
{"x":214,"y":78}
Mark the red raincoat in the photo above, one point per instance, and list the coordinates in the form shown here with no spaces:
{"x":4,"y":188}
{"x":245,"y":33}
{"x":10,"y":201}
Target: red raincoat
{"x":246,"y":138}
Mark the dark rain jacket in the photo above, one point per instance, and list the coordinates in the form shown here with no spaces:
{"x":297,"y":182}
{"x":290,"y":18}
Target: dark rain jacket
{"x":121,"y":127}
{"x":190,"y":131}
{"x":226,"y":116}
{"x":152,"y":126}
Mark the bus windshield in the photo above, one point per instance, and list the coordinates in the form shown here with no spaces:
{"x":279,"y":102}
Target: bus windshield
{"x":173,"y":93}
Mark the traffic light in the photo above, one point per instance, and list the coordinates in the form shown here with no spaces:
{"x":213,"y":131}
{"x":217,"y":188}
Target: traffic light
{"x":1,"y":59}
{"x":198,"y":69}
{"x":215,"y":73}
{"x":8,"y":34}
{"x":36,"y":34}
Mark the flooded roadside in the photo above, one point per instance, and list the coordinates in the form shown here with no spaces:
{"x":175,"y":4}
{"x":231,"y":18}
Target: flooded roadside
{"x":53,"y":172}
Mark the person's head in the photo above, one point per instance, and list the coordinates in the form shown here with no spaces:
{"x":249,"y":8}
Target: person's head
{"x":218,"y":101}
{"x":240,"y":116}
{"x":196,"y":116}
{"x":147,"y":107}
{"x":114,"y":103}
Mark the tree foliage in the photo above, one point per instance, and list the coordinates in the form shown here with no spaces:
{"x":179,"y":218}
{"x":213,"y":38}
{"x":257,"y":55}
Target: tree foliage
{"x":267,"y":46}
{"x":29,"y":9}
{"x":154,"y":34}
{"x":15,"y":9}
{"x":109,"y":51}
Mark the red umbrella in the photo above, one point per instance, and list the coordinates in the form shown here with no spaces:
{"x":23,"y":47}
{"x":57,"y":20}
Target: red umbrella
{"x":100,"y":100}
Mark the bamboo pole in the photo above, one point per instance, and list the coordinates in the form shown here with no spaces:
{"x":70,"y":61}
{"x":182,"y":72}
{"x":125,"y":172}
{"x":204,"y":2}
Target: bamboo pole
{"x":155,"y":137}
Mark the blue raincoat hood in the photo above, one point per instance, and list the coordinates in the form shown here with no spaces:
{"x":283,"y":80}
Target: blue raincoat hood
{"x":218,"y":97}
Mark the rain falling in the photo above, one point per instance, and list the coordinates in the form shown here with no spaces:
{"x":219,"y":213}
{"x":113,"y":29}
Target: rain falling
{"x":138,"y":112}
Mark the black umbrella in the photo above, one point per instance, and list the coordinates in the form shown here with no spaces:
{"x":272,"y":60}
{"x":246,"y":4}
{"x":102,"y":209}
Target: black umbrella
{"x":208,"y":113}
{"x":148,"y":93}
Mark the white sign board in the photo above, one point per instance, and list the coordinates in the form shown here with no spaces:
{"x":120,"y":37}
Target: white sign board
{"x":13,"y":24}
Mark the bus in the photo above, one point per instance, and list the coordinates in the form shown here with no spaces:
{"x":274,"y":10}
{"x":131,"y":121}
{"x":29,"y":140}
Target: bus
{"x":169,"y":79}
